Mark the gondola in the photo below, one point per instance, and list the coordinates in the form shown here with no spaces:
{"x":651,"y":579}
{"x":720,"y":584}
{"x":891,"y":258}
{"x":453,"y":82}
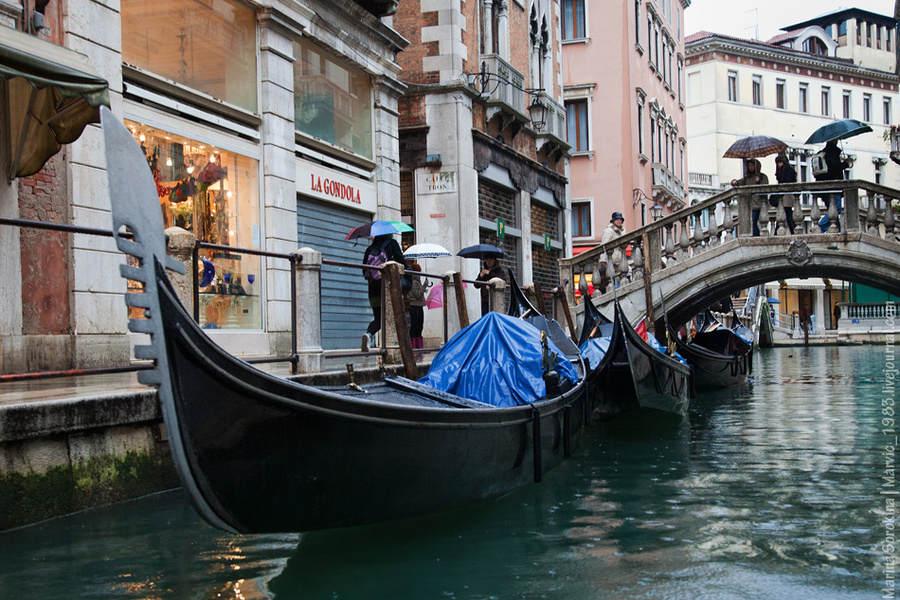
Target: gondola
{"x":257,"y":453}
{"x":631,"y":374}
{"x":720,"y":357}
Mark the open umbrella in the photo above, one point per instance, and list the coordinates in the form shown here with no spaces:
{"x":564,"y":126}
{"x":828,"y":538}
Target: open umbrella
{"x":435,"y":298}
{"x":755,"y":146}
{"x":376,"y":228}
{"x":837,"y":130}
{"x":481,"y":251}
{"x":417,"y":251}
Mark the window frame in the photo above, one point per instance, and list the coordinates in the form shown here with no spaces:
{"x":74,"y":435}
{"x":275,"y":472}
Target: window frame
{"x":732,"y":86}
{"x":826,"y":101}
{"x":585,"y":101}
{"x":585,"y":205}
{"x":867,"y":108}
{"x":564,"y":18}
{"x":803,"y":98}
{"x":757,"y":83}
{"x":781,"y":94}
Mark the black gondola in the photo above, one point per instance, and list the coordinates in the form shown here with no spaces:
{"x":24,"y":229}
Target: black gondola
{"x":257,"y":453}
{"x":720,"y":357}
{"x":632,"y":374}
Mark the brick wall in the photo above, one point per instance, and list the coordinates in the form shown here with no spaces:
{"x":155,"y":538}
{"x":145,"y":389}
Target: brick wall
{"x":412,"y":111}
{"x":45,"y":256}
{"x":408,"y":21}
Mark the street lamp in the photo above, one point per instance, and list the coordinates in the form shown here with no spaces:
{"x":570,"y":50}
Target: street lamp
{"x":486,"y":83}
{"x":656,"y":211}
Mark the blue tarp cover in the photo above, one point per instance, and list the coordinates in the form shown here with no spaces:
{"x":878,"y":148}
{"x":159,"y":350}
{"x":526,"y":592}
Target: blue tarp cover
{"x":495,"y":360}
{"x":593,"y":351}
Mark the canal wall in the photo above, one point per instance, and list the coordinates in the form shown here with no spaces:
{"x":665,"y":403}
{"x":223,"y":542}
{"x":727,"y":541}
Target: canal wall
{"x":68,"y":454}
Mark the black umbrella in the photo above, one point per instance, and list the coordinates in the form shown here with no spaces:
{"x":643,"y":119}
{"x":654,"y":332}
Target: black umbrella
{"x":838,"y":130}
{"x":481,"y":251}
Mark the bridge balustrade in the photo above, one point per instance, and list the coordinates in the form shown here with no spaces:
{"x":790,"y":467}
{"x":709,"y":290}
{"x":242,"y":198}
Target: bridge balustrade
{"x":865,"y":207}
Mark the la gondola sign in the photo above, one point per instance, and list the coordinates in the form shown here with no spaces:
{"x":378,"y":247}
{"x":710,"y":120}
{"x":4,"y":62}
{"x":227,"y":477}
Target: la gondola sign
{"x":333,"y":186}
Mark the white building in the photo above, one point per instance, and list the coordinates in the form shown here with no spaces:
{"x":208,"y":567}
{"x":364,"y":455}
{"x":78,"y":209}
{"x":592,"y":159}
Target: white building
{"x":836,"y":66}
{"x":840,"y":65}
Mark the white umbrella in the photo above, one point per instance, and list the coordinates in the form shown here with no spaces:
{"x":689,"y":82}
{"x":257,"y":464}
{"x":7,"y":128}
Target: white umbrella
{"x":417,"y":251}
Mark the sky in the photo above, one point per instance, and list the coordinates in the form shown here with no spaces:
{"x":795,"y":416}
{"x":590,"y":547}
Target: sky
{"x":740,"y":19}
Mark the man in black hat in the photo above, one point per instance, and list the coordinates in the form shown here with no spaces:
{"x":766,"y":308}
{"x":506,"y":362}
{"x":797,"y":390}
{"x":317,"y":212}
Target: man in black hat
{"x":615,"y":229}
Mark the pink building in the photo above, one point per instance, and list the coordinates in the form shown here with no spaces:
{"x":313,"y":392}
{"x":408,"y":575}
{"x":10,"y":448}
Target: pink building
{"x":623,"y":66}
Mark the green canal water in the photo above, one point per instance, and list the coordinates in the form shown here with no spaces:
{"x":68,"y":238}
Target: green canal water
{"x":778,"y":490}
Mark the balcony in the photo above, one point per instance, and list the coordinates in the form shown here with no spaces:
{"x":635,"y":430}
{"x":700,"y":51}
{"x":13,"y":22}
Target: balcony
{"x":703,"y":180}
{"x":505,"y":101}
{"x":553,"y":136}
{"x":667,"y":188}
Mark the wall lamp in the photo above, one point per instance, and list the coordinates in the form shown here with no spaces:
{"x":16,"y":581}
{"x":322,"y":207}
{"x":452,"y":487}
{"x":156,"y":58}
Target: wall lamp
{"x":486,"y":83}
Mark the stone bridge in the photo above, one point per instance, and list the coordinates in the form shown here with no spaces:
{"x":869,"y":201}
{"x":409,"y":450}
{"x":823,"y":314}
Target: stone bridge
{"x":696,"y":256}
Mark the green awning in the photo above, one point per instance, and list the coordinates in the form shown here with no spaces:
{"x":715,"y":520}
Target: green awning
{"x":52,"y":93}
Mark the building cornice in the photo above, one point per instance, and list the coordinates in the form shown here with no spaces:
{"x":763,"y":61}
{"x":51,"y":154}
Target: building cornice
{"x":774,"y":58}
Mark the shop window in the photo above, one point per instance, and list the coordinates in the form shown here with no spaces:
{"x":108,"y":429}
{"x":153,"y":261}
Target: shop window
{"x":213,"y":194}
{"x":332,"y":103}
{"x":207,"y":46}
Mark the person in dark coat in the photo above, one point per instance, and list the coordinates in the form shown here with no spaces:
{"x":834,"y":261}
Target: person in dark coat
{"x":388,"y":246}
{"x":491,"y":270}
{"x":836,"y":167}
{"x":753,"y":175}
{"x":785,"y":173}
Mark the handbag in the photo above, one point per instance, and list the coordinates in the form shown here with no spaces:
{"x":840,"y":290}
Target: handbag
{"x":212,"y":172}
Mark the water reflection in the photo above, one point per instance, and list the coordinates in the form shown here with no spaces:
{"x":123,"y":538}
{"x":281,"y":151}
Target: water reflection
{"x":769,"y":491}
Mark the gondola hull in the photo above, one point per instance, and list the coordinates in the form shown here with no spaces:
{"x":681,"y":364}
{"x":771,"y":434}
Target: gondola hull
{"x":713,"y":370}
{"x":269,"y":455}
{"x":257,"y":453}
{"x":635,"y":376}
{"x":719,"y":356}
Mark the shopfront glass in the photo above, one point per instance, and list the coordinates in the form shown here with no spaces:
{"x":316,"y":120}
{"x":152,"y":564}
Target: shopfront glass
{"x":206,"y":46}
{"x":215,"y":195}
{"x":332,"y":103}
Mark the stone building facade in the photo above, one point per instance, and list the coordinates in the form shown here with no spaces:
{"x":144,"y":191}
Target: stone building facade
{"x":269,"y":125}
{"x":476,"y":167}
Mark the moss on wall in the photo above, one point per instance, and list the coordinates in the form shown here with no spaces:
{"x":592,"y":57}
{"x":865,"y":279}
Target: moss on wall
{"x":32,"y":497}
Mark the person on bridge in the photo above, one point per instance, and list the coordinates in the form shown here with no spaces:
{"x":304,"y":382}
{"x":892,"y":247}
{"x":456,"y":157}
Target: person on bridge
{"x":753,"y":175}
{"x":614,"y":230}
{"x":785,"y":173}
{"x":836,"y":167}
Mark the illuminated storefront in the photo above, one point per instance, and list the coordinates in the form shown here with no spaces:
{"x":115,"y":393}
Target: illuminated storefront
{"x":215,"y":195}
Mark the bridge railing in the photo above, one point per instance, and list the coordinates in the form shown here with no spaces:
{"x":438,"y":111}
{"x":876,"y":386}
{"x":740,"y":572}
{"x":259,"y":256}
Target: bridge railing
{"x":851,"y":206}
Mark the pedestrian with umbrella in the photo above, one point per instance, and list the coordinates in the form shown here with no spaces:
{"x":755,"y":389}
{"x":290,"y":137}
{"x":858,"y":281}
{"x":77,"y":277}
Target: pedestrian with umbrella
{"x":834,"y":166}
{"x":751,"y":148}
{"x":384,"y":248}
{"x":491,"y":270}
{"x":753,"y":175}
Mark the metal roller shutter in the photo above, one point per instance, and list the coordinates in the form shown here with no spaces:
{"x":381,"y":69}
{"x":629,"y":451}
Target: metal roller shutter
{"x":345,"y":303}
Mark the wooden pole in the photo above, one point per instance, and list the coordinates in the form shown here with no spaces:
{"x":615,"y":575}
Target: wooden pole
{"x":461,"y":307}
{"x":648,"y":292}
{"x":561,"y":297}
{"x":392,"y":271}
{"x":539,"y":298}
